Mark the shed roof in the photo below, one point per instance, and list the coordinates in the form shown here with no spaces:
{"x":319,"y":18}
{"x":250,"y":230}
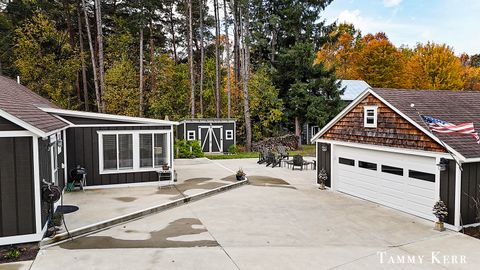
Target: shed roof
{"x":20,"y":105}
{"x":353,"y":88}
{"x":204,"y":120}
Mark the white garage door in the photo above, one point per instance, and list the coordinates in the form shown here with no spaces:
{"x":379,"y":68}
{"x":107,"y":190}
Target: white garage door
{"x":404,"y":182}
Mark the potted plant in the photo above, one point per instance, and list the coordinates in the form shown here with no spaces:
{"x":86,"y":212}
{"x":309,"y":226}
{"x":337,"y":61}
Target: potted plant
{"x":240,"y":175}
{"x":165,"y":167}
{"x":441,"y":212}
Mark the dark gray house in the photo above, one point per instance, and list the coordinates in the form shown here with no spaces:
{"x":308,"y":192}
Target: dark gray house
{"x":42,"y":143}
{"x":379,"y":149}
{"x":214,"y":134}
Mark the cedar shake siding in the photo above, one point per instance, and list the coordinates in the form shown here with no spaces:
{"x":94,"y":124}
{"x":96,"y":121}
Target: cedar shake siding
{"x":392,"y":130}
{"x":17,"y":205}
{"x":82,"y":149}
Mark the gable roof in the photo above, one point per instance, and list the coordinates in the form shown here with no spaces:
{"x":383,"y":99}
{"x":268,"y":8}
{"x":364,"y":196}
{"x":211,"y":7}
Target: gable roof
{"x":19,"y":105}
{"x":353,"y":88}
{"x":106,"y":116}
{"x":451,"y":106}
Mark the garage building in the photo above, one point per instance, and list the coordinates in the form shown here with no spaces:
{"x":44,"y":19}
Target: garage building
{"x":379,"y":149}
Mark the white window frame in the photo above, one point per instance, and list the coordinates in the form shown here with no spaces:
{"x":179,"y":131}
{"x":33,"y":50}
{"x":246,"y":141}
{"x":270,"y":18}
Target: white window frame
{"x":365,"y":117}
{"x":191,"y":133}
{"x":136,"y":150}
{"x":229,"y":135}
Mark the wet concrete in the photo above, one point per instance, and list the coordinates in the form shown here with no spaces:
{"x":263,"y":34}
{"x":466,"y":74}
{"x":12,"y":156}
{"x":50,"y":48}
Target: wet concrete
{"x":267,"y":181}
{"x":126,"y":199}
{"x":158,"y":239}
{"x":199,"y":183}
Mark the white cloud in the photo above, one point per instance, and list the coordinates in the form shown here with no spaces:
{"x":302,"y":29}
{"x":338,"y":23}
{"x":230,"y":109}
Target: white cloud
{"x":391,"y":3}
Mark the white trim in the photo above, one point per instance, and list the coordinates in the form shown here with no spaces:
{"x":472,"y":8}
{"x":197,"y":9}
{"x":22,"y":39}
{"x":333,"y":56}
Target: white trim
{"x":370,"y":91}
{"x":117,"y":125}
{"x":21,"y":123}
{"x":36,"y":185}
{"x":387,"y":149}
{"x":458,"y":195}
{"x":209,"y":120}
{"x":191,"y":132}
{"x":136,"y":151}
{"x":185,"y":131}
{"x":437,"y":180}
{"x":65,"y":173}
{"x":20,"y":133}
{"x":93,"y":115}
{"x":234,"y":132}
{"x":365,"y":116}
{"x":17,"y":239}
{"x":228,"y":136}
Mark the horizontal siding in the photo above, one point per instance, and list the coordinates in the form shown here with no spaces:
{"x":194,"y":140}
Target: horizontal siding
{"x":392,"y":129}
{"x":17,"y":203}
{"x":82,"y":149}
{"x":6,"y":125}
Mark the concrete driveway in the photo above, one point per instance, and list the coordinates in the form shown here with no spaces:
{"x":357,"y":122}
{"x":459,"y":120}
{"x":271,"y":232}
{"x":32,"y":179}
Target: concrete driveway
{"x":279,"y":221}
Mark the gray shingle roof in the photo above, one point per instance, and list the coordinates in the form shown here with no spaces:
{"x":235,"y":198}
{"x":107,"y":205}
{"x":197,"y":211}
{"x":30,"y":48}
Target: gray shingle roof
{"x":20,"y":102}
{"x":353,"y":88}
{"x":452,"y":106}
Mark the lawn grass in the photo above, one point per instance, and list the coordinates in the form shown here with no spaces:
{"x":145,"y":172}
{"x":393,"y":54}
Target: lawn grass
{"x":307,"y":150}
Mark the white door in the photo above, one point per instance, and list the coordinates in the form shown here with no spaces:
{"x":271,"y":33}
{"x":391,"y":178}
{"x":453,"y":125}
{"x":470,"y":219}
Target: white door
{"x":211,"y":138}
{"x":404,"y":182}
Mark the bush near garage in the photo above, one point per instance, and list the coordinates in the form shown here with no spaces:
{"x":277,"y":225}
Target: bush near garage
{"x":188,"y":149}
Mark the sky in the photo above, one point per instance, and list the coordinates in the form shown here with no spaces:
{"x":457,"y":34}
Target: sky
{"x":407,"y":22}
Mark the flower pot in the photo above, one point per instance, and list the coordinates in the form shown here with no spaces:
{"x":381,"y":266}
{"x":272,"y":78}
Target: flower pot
{"x":439,"y":226}
{"x":240,"y":177}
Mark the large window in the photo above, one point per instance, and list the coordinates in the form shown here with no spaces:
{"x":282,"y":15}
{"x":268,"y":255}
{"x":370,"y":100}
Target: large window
{"x":133,"y":150}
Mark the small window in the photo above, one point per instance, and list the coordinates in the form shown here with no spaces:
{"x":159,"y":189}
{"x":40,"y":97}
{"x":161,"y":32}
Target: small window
{"x":367,"y":165}
{"x":392,"y":170}
{"x":346,"y":161}
{"x":370,"y":116}
{"x":421,"y":175}
{"x":229,"y":135}
{"x":191,"y":135}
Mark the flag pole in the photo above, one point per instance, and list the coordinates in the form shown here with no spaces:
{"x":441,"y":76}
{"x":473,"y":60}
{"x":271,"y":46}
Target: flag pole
{"x":441,"y":142}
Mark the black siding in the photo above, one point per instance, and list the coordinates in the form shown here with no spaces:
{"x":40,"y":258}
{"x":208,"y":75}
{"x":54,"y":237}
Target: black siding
{"x":45,"y":170}
{"x":180,"y":132}
{"x":17,"y":198}
{"x":447,"y":190}
{"x":82,"y":149}
{"x":470,"y":189}
{"x":6,"y":125}
{"x":324,"y":162}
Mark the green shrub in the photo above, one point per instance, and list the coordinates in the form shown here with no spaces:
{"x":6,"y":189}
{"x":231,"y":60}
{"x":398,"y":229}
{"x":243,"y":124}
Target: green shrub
{"x":233,"y":149}
{"x":12,"y":254}
{"x":188,"y":149}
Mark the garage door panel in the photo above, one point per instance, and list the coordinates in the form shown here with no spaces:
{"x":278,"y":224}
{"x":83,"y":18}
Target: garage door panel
{"x":397,"y":191}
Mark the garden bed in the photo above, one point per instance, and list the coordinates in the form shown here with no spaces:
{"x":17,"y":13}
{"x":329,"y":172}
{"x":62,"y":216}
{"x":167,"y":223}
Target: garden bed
{"x":17,"y":253}
{"x":472,"y":231}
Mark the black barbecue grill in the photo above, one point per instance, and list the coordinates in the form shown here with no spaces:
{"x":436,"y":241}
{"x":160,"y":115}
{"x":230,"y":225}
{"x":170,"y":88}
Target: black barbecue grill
{"x":77,"y":178}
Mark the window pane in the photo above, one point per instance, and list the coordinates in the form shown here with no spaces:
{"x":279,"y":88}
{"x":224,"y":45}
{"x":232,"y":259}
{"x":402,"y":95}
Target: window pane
{"x":367,"y":165}
{"x":392,"y":170}
{"x":160,"y":150}
{"x":421,"y":175}
{"x":125,"y":151}
{"x":370,"y":120}
{"x":146,"y":150}
{"x":346,"y":161}
{"x":109,"y":152}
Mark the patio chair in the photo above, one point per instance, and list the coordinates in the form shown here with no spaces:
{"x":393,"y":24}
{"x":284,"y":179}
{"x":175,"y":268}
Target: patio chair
{"x":262,"y":156}
{"x":270,"y":158}
{"x":297,"y":162}
{"x":282,"y":151}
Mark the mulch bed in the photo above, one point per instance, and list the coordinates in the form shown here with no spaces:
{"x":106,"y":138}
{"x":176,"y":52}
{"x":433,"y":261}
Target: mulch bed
{"x":473,"y":231}
{"x":27,"y":252}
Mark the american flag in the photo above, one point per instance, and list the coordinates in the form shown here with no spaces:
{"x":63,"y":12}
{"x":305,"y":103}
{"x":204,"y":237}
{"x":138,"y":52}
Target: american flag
{"x":440,"y":126}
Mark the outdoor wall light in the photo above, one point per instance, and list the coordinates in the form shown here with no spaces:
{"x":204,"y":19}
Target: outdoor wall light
{"x":324,"y":148}
{"x":442,"y":165}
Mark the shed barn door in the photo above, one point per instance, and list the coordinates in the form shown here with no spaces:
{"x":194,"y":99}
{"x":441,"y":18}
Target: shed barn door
{"x":400,"y":181}
{"x":211,"y":138}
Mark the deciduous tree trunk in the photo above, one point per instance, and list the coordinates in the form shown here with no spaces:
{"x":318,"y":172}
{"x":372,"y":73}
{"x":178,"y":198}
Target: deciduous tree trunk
{"x":172,"y":32}
{"x":140,"y":88}
{"x":153,"y":68}
{"x":101,"y":65}
{"x":246,"y":74}
{"x":227,"y":62}
{"x":92,"y":56}
{"x":217,"y":58}
{"x":298,"y":131}
{"x":202,"y":57}
{"x":71,"y":34}
{"x":84,"y":67}
{"x":190,"y":59}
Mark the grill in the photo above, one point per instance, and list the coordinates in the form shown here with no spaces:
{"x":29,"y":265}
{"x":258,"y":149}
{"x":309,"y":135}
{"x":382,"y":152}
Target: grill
{"x":77,"y":178}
